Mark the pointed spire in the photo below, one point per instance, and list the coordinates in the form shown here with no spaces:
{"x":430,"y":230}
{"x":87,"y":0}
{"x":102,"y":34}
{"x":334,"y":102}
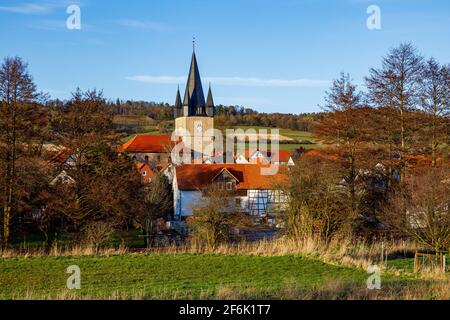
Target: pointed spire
{"x":210,"y":103}
{"x":178,"y":110}
{"x":193,"y":96}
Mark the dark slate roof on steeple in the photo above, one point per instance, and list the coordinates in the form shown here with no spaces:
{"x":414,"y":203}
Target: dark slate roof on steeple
{"x":193,"y":96}
{"x":209,"y":99}
{"x":178,"y":104}
{"x":178,"y":110}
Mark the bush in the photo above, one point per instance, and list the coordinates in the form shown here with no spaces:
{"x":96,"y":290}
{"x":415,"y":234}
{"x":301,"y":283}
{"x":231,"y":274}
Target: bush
{"x":97,"y":235}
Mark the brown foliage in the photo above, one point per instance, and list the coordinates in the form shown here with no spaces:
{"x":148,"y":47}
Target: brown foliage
{"x":421,"y":209}
{"x":156,"y":205}
{"x":214,"y":220}
{"x":104,"y":188}
{"x":318,"y":204}
{"x":20,"y":126}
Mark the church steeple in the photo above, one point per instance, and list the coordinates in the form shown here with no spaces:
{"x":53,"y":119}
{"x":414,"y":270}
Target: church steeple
{"x":195,"y":119}
{"x":194,"y":100}
{"x":210,"y":103}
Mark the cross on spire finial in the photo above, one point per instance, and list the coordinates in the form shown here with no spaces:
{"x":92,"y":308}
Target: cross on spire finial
{"x":193,"y":43}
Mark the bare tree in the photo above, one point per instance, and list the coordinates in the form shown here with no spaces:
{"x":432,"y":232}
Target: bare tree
{"x":422,"y":209}
{"x":214,"y":219}
{"x":436,"y":104}
{"x":82,"y":123}
{"x":346,"y":125}
{"x":158,"y":203}
{"x":396,"y":86}
{"x":318,"y":205}
{"x":18,"y":108}
{"x":104,"y":190}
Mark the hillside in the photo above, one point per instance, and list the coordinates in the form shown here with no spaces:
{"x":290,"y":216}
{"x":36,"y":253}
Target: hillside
{"x":289,"y":139}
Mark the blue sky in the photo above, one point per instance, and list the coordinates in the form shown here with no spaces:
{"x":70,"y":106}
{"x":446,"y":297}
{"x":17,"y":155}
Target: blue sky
{"x":273,"y":56}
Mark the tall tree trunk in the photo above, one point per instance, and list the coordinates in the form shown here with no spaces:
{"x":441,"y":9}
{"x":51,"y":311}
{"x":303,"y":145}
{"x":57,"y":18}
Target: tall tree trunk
{"x":10,"y":176}
{"x":148,"y":232}
{"x":6,"y":221}
{"x":402,"y":150}
{"x":434,"y":124}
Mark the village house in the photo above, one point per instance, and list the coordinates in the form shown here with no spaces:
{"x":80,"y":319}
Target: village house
{"x":147,"y":171}
{"x":265,"y":157}
{"x":61,"y":158}
{"x":254,"y":193}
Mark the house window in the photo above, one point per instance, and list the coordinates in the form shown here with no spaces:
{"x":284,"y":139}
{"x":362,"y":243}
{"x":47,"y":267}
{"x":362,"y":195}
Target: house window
{"x":230,"y":185}
{"x":238,"y":202}
{"x":144,"y":173}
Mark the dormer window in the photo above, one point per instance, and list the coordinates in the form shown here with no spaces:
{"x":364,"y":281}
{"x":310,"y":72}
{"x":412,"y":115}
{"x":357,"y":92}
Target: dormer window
{"x":225,"y":180}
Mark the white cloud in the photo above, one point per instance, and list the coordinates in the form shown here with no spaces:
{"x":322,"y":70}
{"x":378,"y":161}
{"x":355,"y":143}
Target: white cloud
{"x":158,"y":79}
{"x":41,"y":8}
{"x":27,"y":8}
{"x":48,"y":25}
{"x":143,"y":25}
{"x":234,"y":81}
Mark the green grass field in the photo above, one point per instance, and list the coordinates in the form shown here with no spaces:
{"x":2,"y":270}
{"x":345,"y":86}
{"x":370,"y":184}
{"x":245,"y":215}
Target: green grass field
{"x":407,"y":264}
{"x":168,"y":276}
{"x":298,"y":136}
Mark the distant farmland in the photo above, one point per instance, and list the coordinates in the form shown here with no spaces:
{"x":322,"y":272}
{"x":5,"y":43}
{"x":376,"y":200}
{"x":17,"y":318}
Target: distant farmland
{"x":289,"y":139}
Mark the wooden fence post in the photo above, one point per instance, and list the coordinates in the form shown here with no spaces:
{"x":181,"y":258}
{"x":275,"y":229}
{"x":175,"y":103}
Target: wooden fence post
{"x":416,"y":262}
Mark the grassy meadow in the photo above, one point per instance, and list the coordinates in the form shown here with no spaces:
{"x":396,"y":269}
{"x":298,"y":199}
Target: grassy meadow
{"x":265,"y":270}
{"x":181,"y":275}
{"x":299,"y":139}
{"x":167,"y":275}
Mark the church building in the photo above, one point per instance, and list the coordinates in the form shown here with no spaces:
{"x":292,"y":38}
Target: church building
{"x":254,"y":193}
{"x":194,"y":117}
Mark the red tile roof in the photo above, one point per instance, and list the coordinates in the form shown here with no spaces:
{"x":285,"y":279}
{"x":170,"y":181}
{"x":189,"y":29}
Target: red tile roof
{"x":283,"y":155}
{"x":200,"y":176}
{"x":148,"y":143}
{"x":60,"y":156}
{"x":145,"y":171}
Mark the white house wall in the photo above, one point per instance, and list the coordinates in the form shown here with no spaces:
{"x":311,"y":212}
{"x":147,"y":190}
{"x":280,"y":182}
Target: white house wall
{"x":155,"y":157}
{"x":184,"y":201}
{"x":188,"y":200}
{"x":241,"y":159}
{"x":255,"y":203}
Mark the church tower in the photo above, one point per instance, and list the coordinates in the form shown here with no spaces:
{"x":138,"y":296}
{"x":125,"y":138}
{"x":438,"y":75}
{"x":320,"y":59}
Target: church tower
{"x":194,"y":118}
